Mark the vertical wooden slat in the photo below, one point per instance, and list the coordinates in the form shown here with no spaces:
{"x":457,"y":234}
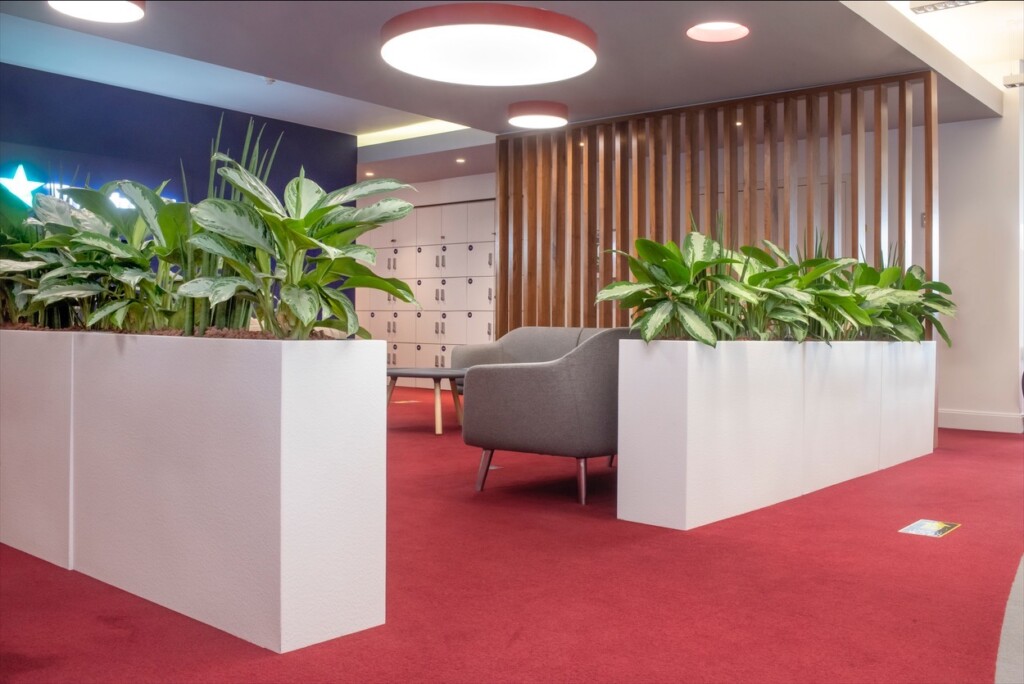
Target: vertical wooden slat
{"x":709,"y":119}
{"x":834,"y":218}
{"x":789,"y":180}
{"x":515,"y":244}
{"x":638,"y":179}
{"x":931,"y":176}
{"x":656,"y":179}
{"x":622,"y":210}
{"x":749,"y":174}
{"x":530,"y":295}
{"x":881,"y":175}
{"x":730,"y":176}
{"x":691,"y":205}
{"x":543,"y":251}
{"x":590,"y":237}
{"x":905,"y":222}
{"x":606,"y":313}
{"x":501,"y":281}
{"x":771,"y":173}
{"x":572,"y":259}
{"x":813,"y":143}
{"x":673,"y":179}
{"x":857,"y":187}
{"x":558,"y":277}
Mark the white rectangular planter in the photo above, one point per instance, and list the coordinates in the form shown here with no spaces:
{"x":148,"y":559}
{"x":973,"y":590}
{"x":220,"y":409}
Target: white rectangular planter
{"x":706,"y":434}
{"x":239,"y":482}
{"x":35,"y":443}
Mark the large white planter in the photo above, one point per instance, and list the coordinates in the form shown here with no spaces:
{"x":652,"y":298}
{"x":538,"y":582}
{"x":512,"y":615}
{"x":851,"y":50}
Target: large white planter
{"x":706,"y":434}
{"x":239,"y":482}
{"x":35,"y":443}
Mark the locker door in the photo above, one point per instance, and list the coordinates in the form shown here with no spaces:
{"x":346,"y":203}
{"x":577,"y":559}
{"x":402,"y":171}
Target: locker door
{"x":453,"y":328}
{"x":428,"y":293}
{"x":479,"y":327}
{"x":403,"y":355}
{"x":453,"y":294}
{"x":403,"y":231}
{"x":428,"y":261}
{"x":374,"y":322}
{"x":480,"y":294}
{"x":481,"y":221}
{"x":453,"y":260}
{"x":453,"y":223}
{"x":480,"y":259}
{"x":403,"y":263}
{"x":428,"y":327}
{"x":403,"y":326}
{"x":428,"y":226}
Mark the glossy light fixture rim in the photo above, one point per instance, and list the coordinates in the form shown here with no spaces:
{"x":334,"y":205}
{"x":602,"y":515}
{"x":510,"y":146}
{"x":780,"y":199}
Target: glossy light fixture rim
{"x":519,"y":113}
{"x":717,"y":31}
{"x":79,"y":10}
{"x":566,"y":30}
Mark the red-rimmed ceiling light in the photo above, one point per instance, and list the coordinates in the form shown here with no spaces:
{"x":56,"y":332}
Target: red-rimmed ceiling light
{"x":718,"y":31}
{"x":488,"y":44}
{"x":110,"y":12}
{"x":538,"y":114}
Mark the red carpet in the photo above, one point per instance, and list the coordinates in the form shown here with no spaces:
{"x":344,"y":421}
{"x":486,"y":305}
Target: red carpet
{"x":521,"y":584}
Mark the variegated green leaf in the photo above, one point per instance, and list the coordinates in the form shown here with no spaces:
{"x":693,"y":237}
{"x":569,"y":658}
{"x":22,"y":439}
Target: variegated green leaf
{"x":304,"y":303}
{"x":343,"y":309}
{"x":69,"y":272}
{"x":69,"y":291}
{"x":235,"y":221}
{"x":13,"y":266}
{"x":620,"y":290}
{"x":50,"y":209}
{"x":106,"y":310}
{"x":219,"y":246}
{"x":300,"y":195}
{"x":131,"y":276}
{"x":655,"y":320}
{"x":249,"y":185}
{"x":736,"y":289}
{"x":360,"y":190}
{"x":109,"y":245}
{"x":695,"y":324}
{"x":699,"y":247}
{"x":217,"y":290}
{"x":147,"y":202}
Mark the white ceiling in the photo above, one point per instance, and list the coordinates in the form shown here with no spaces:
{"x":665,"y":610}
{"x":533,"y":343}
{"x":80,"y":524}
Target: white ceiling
{"x":324,"y":58}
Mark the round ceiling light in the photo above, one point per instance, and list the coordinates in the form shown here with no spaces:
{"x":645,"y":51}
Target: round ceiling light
{"x":111,"y":12}
{"x":487,"y":44}
{"x":538,"y":114}
{"x":718,"y":31}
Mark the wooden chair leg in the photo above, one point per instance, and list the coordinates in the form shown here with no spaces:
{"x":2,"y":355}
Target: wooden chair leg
{"x":581,"y":480}
{"x":456,"y":399}
{"x":485,"y":466}
{"x":611,"y":461}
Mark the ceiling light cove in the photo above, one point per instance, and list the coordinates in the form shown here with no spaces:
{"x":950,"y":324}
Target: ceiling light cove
{"x":538,"y":114}
{"x":717,"y":31}
{"x":488,"y":44}
{"x":110,"y":12}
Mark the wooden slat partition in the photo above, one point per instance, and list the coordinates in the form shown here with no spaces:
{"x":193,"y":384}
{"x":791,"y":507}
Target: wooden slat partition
{"x":565,"y":198}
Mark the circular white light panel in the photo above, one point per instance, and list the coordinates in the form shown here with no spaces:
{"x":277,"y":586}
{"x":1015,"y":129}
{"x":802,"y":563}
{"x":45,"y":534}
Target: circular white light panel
{"x":112,"y":12}
{"x":538,"y":121}
{"x":485,"y":44}
{"x":717,"y":31}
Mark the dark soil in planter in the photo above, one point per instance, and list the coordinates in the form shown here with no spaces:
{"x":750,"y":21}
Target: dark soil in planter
{"x":222,"y":333}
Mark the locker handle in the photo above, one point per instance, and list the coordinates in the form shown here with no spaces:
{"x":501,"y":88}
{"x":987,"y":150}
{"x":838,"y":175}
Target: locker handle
{"x":437,"y":327}
{"x":490,"y":259}
{"x":442,"y":360}
{"x":488,"y":329}
{"x":437,"y":296}
{"x":442,"y":330}
{"x":435,"y":361}
{"x":437,"y":261}
{"x":490,"y":296}
{"x":389,"y":326}
{"x":394,"y":327}
{"x":443,"y":264}
{"x":442,"y":294}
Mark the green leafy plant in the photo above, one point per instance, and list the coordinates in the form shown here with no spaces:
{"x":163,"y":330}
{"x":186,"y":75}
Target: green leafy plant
{"x":290,"y":257}
{"x":708,"y":293}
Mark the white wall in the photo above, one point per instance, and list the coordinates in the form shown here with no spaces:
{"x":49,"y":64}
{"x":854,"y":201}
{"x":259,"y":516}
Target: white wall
{"x":980,"y":228}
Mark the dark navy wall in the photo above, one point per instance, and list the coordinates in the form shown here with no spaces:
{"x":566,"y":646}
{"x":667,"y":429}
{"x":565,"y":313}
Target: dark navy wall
{"x":54,"y":124}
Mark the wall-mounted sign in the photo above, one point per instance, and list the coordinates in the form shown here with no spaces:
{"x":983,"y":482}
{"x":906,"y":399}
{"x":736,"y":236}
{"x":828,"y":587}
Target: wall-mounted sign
{"x":20,"y":186}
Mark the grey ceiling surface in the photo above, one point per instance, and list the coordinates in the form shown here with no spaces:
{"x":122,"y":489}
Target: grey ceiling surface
{"x":645,"y":63}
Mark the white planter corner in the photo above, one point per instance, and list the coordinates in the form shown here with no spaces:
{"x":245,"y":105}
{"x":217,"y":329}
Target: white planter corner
{"x":240,"y":482}
{"x":706,"y":434}
{"x":35,"y":443}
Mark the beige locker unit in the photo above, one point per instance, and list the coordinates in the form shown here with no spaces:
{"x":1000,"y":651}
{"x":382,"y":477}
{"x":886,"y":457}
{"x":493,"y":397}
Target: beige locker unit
{"x":402,"y":355}
{"x":480,"y":259}
{"x":403,"y":326}
{"x":400,"y":233}
{"x":375,"y":323}
{"x":479,"y":327}
{"x":432,"y":356}
{"x":441,"y":327}
{"x":454,"y":223}
{"x":480,"y":218}
{"x":453,"y":294}
{"x":428,"y":225}
{"x":480,"y":293}
{"x":396,"y":262}
{"x":428,"y":293}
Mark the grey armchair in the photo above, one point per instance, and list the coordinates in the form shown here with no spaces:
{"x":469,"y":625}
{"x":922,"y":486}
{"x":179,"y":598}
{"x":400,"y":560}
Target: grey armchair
{"x":543,"y":390}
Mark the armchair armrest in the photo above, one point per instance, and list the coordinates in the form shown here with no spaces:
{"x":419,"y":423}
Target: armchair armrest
{"x":476,"y":354}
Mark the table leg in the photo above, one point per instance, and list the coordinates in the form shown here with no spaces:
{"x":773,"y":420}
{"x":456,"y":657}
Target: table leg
{"x":456,"y":399}
{"x":391,"y":387}
{"x":437,"y":406}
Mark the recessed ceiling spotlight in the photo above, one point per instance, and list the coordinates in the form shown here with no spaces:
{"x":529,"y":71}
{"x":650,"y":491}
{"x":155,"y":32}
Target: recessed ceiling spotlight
{"x":369,"y":174}
{"x":717,"y":31}
{"x":110,"y":12}
{"x":488,"y":44}
{"x":460,"y":160}
{"x":538,"y":114}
